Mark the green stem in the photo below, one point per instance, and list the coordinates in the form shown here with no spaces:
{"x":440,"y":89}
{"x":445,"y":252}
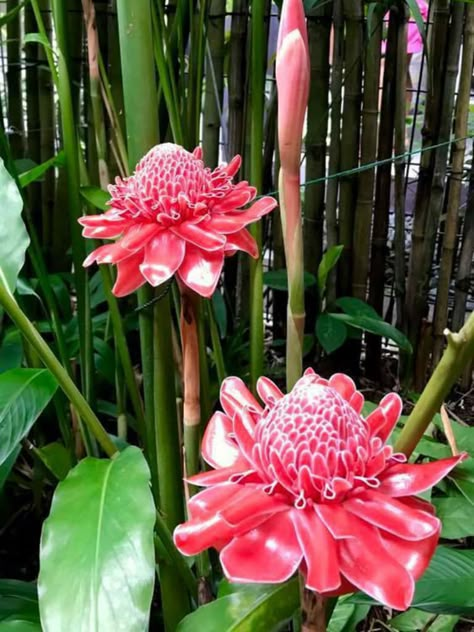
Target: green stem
{"x":52,"y":363}
{"x":256,"y":177}
{"x":216,"y":345}
{"x":169,"y":458}
{"x":458,"y":353}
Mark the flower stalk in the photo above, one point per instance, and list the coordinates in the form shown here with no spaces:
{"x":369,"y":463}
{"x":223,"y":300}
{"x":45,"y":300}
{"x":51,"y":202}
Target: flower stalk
{"x":458,"y":353}
{"x":191,"y":378}
{"x":292,"y":75}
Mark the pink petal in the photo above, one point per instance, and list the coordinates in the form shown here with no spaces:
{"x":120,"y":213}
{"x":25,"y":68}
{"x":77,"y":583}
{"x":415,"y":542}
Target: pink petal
{"x":338,"y":521}
{"x":233,"y":166}
{"x":163,"y":256}
{"x":384,"y":418}
{"x":268,"y":554}
{"x":319,"y":551}
{"x":268,"y":391}
{"x":201,"y":237}
{"x":129,"y":277}
{"x":234,"y":199}
{"x":222,"y":475}
{"x":217,"y":448}
{"x":252,"y":502}
{"x":210,"y":500}
{"x":343,"y":384}
{"x":106,"y":230}
{"x":109,"y":253}
{"x":392,"y":516}
{"x":292,"y":18}
{"x":406,"y":479}
{"x":138,"y":235}
{"x":243,"y":425}
{"x":357,"y":401}
{"x":235,"y":395}
{"x":413,"y":556}
{"x":233,"y":222}
{"x":242,"y":240}
{"x":367,"y":564}
{"x":201,"y":270}
{"x":195,"y":536}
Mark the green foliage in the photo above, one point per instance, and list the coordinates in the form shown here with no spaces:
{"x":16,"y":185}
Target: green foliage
{"x":245,"y":608}
{"x":328,"y":261}
{"x":330,"y":332}
{"x":97,"y":557}
{"x":18,"y":606}
{"x":36,"y":172}
{"x":96,"y":197}
{"x":13,"y":235}
{"x":24,"y":393}
{"x":278,"y":280}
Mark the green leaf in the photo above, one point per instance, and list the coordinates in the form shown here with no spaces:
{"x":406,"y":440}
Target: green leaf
{"x":11,"y":15}
{"x":11,"y":351}
{"x":278,"y":280}
{"x":7,"y":466}
{"x":18,"y":602}
{"x":356,"y":307}
{"x":413,"y":620}
{"x":57,"y":459}
{"x":376,"y":326}
{"x":457,"y":516}
{"x":331,"y":333}
{"x":13,"y":235}
{"x":24,"y":393}
{"x":220,"y":313}
{"x":346,"y":615}
{"x":38,"y":171}
{"x":96,"y":554}
{"x":328,"y":261}
{"x":447,"y":585}
{"x":245,"y":608}
{"x":96,"y":197}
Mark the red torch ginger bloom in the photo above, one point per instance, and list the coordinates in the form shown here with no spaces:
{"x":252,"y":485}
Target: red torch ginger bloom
{"x":307,"y":483}
{"x":174,"y":215}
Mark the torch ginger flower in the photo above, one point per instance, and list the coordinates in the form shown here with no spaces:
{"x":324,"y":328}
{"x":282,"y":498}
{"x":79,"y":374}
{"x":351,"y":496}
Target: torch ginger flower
{"x":174,"y":215}
{"x":307,"y":483}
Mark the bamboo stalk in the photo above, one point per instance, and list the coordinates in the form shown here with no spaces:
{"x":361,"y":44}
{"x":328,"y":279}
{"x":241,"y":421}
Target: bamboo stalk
{"x":455,"y":185}
{"x":415,"y":296}
{"x":319,"y":30}
{"x":382,"y":189}
{"x":365,"y":193}
{"x":236,"y":87}
{"x":214,"y":82}
{"x":400,"y":166}
{"x":335,"y":142}
{"x":136,"y":49}
{"x":14,"y":84}
{"x":46,"y":135}
{"x":463,"y":275}
{"x":353,"y":55}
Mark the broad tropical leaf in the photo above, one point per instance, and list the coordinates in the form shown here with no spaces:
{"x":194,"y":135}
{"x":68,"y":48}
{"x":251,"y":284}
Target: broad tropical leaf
{"x":96,"y":555}
{"x":13,"y":235}
{"x":24,"y":393}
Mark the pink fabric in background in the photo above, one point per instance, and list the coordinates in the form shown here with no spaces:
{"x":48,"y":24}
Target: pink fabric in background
{"x":414,"y":39}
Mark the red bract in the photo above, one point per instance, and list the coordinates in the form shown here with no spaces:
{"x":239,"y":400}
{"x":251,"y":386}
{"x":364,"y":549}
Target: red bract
{"x":174,"y":215}
{"x":307,"y":483}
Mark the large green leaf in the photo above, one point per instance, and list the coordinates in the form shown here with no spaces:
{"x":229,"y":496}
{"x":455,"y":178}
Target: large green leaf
{"x":18,"y":605}
{"x":96,"y":197}
{"x":13,"y":236}
{"x":356,"y":307}
{"x":457,"y":516}
{"x":24,"y":393}
{"x":376,"y":326}
{"x":328,"y":261}
{"x":96,"y":555}
{"x":330,"y":332}
{"x":245,"y":608}
{"x":278,"y":280}
{"x":413,"y":620}
{"x":37,"y":171}
{"x":11,"y":351}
